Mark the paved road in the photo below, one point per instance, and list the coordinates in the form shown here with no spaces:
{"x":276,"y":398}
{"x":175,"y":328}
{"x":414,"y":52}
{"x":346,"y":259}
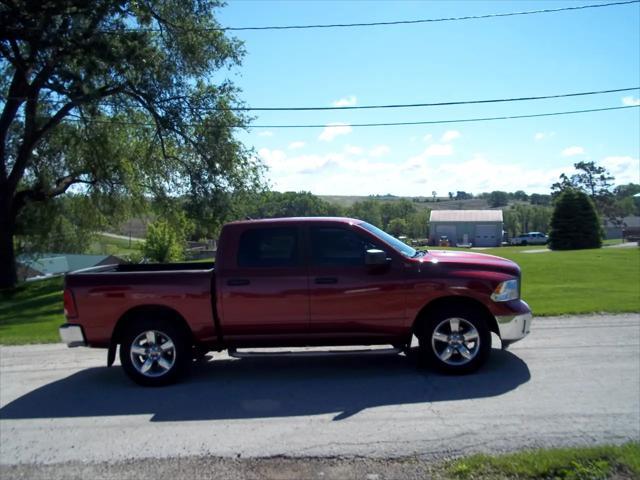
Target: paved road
{"x":573,"y":381}
{"x":121,"y":237}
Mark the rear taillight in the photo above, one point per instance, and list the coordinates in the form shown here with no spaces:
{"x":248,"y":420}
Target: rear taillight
{"x":70,"y":310}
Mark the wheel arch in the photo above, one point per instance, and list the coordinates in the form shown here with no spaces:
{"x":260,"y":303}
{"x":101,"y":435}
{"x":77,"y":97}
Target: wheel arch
{"x":144,"y":311}
{"x":454,"y":301}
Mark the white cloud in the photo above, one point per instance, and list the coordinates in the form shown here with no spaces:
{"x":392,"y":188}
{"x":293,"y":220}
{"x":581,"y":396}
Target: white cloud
{"x":631,"y":101}
{"x":296,"y":145}
{"x":625,"y":169}
{"x":332,"y":130}
{"x":265,"y":133}
{"x":434,"y":150}
{"x":438,"y":150}
{"x":379,"y":151}
{"x":428,"y":137}
{"x":572,"y":151}
{"x":349,"y":101}
{"x":432,"y":169}
{"x":543,"y":135}
{"x":450,"y":135}
{"x":280,"y":163}
{"x":273,"y":158}
{"x":353,"y":150}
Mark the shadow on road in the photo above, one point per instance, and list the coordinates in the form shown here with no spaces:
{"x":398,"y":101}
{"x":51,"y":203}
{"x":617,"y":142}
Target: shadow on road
{"x":268,"y":387}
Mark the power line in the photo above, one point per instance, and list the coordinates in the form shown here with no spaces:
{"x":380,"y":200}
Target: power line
{"x":386,"y":124}
{"x":464,"y":120}
{"x":436,"y":104}
{"x":389,"y":23}
{"x":398,"y":105}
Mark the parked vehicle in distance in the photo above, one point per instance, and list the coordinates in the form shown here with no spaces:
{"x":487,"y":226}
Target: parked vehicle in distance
{"x":297,"y":282}
{"x":531,"y":238}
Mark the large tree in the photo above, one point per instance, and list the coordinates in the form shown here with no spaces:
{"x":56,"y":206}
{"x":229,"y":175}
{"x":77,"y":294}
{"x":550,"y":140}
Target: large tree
{"x":115,"y":98}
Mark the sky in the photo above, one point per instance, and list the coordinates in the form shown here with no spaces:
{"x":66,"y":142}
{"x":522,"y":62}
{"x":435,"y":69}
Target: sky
{"x":533,"y":55}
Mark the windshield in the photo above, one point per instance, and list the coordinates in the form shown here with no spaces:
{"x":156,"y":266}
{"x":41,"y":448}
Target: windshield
{"x":402,"y":247}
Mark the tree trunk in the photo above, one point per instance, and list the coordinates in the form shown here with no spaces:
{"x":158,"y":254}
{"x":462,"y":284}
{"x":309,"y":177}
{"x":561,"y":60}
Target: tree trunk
{"x":8,"y":276}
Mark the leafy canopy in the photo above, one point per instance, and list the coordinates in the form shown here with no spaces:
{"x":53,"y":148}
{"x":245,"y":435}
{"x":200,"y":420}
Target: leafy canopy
{"x":117,"y":99}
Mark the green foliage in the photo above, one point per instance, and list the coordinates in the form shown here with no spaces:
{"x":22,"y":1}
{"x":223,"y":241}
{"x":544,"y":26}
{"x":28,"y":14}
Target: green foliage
{"x":418,"y":224}
{"x":539,"y":199}
{"x":520,"y":195}
{"x":125,"y":107}
{"x":398,"y":217}
{"x":397,"y":227}
{"x":590,"y":178}
{"x":592,"y":463}
{"x":291,"y":204}
{"x":368,"y":210}
{"x":574,"y":223}
{"x":597,"y":183}
{"x":498,"y":198}
{"x":64,"y":224}
{"x":164,"y":242}
{"x":522,"y":218}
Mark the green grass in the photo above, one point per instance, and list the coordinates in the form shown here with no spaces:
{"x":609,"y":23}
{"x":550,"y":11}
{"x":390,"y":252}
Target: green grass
{"x":566,"y":463}
{"x":578,"y":281}
{"x":31,"y":313}
{"x":575,"y":281}
{"x":104,"y":245}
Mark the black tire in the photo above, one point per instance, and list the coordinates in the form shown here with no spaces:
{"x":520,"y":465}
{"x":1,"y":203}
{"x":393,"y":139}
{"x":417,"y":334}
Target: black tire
{"x":433,"y":347}
{"x":169,"y":362}
{"x":524,"y":243}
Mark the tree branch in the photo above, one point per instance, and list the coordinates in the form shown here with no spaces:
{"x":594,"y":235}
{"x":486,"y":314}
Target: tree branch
{"x":39,"y":194}
{"x":32,"y":137}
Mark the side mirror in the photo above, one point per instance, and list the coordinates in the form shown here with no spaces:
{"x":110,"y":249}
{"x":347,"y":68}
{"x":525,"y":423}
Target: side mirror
{"x":375,"y":257}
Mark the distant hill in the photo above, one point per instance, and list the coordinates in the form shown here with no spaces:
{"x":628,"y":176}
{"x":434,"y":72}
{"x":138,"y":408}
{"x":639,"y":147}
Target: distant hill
{"x":423,"y":202}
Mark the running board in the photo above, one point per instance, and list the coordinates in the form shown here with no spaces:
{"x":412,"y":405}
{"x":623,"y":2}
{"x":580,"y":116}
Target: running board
{"x":318,"y":353}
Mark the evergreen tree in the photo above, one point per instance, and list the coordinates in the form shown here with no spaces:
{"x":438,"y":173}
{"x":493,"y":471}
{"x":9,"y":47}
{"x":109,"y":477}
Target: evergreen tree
{"x":574,"y":223}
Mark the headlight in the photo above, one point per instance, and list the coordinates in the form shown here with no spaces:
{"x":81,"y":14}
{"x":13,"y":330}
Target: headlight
{"x":505,"y":291}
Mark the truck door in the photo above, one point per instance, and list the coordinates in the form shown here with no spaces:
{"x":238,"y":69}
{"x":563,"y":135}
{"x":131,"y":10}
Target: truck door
{"x":349,"y":299}
{"x":264,"y":289}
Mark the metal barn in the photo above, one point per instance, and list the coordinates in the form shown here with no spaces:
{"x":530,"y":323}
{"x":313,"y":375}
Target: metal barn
{"x":479,"y":228}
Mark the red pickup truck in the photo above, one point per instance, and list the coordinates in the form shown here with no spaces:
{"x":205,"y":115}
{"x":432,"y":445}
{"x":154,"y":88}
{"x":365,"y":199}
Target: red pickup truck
{"x":297,"y":282}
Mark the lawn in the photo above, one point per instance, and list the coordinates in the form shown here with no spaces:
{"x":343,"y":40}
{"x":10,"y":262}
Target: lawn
{"x":554,"y":283}
{"x":564,"y":463}
{"x":578,"y":281}
{"x":104,"y":245}
{"x":31,"y":313}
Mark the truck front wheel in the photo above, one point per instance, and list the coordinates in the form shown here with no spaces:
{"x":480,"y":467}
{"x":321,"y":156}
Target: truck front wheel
{"x":155,"y":353}
{"x":455,"y":340}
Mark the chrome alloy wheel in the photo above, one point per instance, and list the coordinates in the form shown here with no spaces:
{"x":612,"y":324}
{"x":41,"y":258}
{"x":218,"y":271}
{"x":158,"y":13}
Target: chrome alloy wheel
{"x":153,"y":353}
{"x":455,"y":341}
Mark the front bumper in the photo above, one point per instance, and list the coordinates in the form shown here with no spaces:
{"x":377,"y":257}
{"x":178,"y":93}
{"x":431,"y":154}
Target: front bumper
{"x":514,"y":327}
{"x":72,"y":335}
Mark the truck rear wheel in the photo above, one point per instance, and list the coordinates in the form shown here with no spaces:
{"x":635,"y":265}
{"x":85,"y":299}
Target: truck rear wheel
{"x":155,"y":353}
{"x":455,"y":340}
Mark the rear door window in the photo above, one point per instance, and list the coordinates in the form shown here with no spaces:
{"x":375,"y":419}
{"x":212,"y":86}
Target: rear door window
{"x":269,"y":247}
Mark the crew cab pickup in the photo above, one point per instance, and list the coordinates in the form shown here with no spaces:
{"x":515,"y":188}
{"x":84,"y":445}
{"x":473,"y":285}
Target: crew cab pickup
{"x":293,"y":282}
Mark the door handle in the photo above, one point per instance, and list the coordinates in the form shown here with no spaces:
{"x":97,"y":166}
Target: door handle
{"x":326,"y":280}
{"x":236,"y":282}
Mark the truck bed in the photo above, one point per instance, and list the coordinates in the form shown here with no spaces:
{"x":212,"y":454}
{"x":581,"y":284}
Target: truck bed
{"x":147,"y":267}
